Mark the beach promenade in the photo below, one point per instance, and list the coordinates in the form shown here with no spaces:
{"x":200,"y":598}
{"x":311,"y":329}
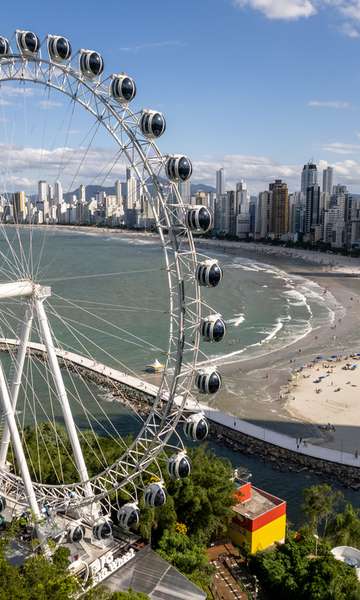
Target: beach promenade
{"x":215,"y":415}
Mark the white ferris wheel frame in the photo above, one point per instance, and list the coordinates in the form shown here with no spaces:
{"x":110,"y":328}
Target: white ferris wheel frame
{"x":185,"y":306}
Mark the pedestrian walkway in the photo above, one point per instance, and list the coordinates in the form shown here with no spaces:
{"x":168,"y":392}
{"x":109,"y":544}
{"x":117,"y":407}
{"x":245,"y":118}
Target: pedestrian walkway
{"x":213,"y":414}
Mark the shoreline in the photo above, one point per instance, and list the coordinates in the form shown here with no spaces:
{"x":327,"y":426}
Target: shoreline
{"x":253,"y":385}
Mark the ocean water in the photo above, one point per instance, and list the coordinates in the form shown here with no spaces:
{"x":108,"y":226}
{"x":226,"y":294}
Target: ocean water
{"x":109,"y":295}
{"x":109,"y":299}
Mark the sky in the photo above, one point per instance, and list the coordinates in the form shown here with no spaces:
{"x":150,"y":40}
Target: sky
{"x":256,"y":86}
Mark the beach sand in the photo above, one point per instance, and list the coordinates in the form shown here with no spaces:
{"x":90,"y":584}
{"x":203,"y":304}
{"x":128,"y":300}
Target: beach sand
{"x":328,"y":389}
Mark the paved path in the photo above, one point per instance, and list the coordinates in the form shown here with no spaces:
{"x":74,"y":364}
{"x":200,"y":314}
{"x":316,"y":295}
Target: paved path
{"x":213,"y":414}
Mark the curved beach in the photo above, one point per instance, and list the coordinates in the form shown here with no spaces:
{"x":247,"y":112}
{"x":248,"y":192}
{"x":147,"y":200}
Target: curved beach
{"x":255,"y":387}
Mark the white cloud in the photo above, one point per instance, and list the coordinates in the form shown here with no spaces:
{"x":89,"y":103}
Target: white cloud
{"x":49,"y":104}
{"x":21,"y":166}
{"x":21,"y":89}
{"x":349,"y":30}
{"x":280,"y":9}
{"x":329,"y":104}
{"x":341,"y":148}
{"x":350,"y":9}
{"x":347,"y":10}
{"x":258,"y":171}
{"x":24,"y":166}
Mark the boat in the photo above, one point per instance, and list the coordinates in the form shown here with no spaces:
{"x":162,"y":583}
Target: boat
{"x":155,"y":367}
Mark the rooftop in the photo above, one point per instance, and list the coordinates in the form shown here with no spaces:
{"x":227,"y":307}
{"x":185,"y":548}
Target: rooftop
{"x":147,"y":572}
{"x":259,"y":503}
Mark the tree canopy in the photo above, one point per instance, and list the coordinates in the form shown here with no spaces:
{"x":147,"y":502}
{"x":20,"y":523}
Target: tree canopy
{"x":293,"y":570}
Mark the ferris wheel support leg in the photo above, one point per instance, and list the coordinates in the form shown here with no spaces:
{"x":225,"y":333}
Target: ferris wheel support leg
{"x":16,"y":382}
{"x":21,"y":459}
{"x":62,"y":394}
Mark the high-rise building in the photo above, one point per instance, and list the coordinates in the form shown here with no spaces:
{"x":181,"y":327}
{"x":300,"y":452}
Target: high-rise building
{"x":118,"y":193}
{"x":312,"y":211}
{"x":19,"y":201}
{"x":131,"y":190}
{"x":328,"y":175}
{"x":252,"y":213}
{"x":220,"y":182}
{"x":185,"y":191}
{"x":309,"y":177}
{"x":82,"y":193}
{"x":43,"y":199}
{"x":242,"y":198}
{"x":42,"y":191}
{"x":58,"y":193}
{"x":296,"y":213}
{"x":280,"y":208}
{"x":263,"y":215}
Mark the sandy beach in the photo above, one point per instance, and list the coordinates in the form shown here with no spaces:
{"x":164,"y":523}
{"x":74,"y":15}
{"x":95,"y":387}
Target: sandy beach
{"x":326,"y":388}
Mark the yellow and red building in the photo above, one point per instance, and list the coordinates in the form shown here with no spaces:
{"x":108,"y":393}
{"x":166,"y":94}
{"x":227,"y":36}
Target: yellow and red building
{"x":259,"y":518}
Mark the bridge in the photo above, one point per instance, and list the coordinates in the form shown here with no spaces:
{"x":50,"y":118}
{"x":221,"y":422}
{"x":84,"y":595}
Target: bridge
{"x":213,"y":414}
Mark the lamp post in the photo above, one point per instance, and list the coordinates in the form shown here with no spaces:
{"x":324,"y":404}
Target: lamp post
{"x":316,"y":543}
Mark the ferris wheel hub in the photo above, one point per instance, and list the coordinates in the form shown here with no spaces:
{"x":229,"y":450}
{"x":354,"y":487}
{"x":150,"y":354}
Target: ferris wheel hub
{"x":24,"y":288}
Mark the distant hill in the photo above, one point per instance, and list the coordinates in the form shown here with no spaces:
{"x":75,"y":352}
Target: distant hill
{"x":201,"y":187}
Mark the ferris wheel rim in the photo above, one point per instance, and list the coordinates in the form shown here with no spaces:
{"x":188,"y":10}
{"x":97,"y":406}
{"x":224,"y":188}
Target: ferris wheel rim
{"x":169,"y":419}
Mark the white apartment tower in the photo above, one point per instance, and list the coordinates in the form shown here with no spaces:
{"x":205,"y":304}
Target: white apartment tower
{"x":242,"y":198}
{"x":131,"y":189}
{"x":220,"y":183}
{"x":328,"y":175}
{"x":58,"y":193}
{"x":43,"y":198}
{"x":185,"y":191}
{"x":82,"y":194}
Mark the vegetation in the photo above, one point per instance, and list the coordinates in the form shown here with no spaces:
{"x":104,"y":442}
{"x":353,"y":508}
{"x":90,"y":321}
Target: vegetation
{"x":319,"y":504}
{"x":197,"y":510}
{"x":49,"y":453}
{"x":187,"y":556}
{"x":303,"y":567}
{"x":299,"y":570}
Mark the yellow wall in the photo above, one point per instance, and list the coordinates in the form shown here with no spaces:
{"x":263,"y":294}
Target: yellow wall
{"x":261,"y":538}
{"x":238,"y":535}
{"x":266,"y":536}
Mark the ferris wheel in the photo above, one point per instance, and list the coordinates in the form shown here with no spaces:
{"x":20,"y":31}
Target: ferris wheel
{"x":29,"y":307}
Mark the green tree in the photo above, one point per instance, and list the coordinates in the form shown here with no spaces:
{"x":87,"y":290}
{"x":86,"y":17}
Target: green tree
{"x":293,"y":571}
{"x":203,"y":501}
{"x":330,"y":579}
{"x":319,"y":504}
{"x":187,"y":556}
{"x":344,"y":527}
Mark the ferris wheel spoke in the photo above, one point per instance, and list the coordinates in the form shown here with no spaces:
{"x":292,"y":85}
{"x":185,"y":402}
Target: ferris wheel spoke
{"x":26,"y":385}
{"x":75,"y":334}
{"x":92,"y":343}
{"x":135,"y":339}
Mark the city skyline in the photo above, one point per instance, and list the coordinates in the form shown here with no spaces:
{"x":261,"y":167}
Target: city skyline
{"x":318,"y":212}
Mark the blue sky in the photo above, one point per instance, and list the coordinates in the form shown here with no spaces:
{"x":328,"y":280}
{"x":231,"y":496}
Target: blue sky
{"x":257,"y":86}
